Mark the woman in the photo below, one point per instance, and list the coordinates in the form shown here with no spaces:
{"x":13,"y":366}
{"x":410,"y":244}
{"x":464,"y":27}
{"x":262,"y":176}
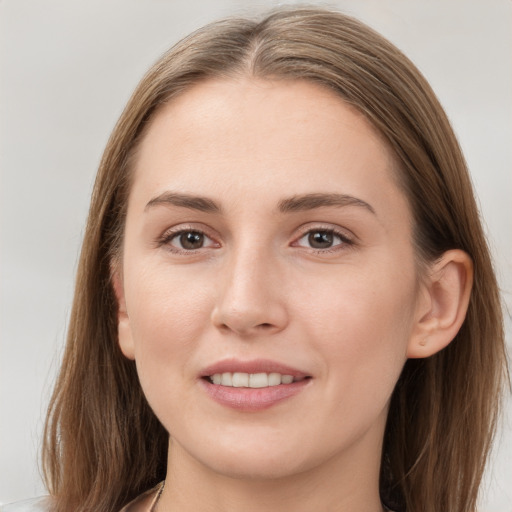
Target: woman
{"x":285,"y":299}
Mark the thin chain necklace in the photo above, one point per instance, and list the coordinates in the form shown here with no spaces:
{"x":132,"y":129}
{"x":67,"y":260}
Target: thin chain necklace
{"x":156,"y":499}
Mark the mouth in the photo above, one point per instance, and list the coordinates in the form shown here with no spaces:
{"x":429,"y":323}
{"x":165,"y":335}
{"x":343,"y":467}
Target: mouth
{"x":252,"y":385}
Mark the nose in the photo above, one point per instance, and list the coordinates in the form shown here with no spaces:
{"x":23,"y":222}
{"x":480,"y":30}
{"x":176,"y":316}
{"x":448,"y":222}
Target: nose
{"x":251,"y":298}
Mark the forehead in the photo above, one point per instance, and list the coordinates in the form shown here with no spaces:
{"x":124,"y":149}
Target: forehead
{"x":250,"y":134}
{"x":289,"y":110}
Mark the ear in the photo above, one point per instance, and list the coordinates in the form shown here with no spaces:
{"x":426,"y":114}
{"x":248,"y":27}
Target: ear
{"x":124,"y":331}
{"x":442,"y":305}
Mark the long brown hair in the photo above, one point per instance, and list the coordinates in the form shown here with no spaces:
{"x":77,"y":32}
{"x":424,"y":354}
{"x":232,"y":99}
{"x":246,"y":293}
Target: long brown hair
{"x":103,"y":444}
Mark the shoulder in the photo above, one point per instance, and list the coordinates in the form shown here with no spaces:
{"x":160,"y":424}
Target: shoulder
{"x":33,"y":505}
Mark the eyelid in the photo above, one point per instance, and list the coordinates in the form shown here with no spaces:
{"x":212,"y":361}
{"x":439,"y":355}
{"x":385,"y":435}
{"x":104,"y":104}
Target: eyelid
{"x":325,"y":226}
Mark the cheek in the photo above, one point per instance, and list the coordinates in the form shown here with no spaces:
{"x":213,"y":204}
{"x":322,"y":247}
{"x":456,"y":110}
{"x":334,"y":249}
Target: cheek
{"x":361,"y":322}
{"x":168,"y":313}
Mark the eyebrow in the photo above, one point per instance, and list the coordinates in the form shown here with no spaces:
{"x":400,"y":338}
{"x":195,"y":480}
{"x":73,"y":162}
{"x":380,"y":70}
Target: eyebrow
{"x":311,"y":201}
{"x":202,"y":204}
{"x":292,"y":204}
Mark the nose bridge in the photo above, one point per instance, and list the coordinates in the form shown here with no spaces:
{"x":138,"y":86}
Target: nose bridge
{"x":249,"y":298}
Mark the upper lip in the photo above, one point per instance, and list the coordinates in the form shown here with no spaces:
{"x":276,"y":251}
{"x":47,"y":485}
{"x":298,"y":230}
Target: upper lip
{"x":253,"y":366}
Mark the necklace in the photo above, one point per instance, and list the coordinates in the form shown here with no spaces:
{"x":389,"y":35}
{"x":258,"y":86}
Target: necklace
{"x":156,"y":499}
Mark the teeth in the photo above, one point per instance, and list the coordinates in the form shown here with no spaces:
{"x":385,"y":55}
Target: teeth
{"x":274,"y":379}
{"x":250,"y":380}
{"x":258,"y":380}
{"x":240,"y":380}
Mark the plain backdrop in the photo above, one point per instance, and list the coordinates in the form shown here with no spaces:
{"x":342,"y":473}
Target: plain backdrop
{"x":67,"y":69}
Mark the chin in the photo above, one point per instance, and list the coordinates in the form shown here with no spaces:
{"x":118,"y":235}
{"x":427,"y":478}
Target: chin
{"x":255,"y":461}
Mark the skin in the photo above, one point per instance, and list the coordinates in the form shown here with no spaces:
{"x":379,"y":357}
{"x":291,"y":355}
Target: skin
{"x":347,"y":315}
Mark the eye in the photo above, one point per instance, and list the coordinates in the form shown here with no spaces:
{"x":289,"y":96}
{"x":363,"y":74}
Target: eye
{"x":189,"y":240}
{"x":322,"y":239}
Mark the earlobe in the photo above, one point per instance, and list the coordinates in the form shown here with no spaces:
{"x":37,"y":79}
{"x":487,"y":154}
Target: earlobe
{"x":123,"y":321}
{"x":443,"y":306}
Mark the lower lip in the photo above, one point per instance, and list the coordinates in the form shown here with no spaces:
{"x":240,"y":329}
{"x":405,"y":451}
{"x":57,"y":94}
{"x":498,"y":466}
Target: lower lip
{"x":252,"y":399}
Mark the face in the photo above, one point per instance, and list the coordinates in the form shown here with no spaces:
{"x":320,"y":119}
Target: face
{"x":266,"y":242}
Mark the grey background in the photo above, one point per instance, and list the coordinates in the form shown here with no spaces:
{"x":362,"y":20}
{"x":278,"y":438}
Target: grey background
{"x":67,"y":69}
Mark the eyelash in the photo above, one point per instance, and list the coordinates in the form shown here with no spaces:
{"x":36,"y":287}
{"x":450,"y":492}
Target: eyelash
{"x":170,"y":235}
{"x":345,"y":241}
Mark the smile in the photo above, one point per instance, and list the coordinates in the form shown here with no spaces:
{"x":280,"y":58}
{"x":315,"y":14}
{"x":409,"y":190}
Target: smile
{"x":250,"y":386}
{"x":251,"y":380}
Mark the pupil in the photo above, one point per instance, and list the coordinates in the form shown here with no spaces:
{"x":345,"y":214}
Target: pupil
{"x":191,"y":240}
{"x":320,"y":239}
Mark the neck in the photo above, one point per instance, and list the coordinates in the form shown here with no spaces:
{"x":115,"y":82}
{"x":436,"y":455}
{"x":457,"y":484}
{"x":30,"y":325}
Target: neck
{"x":345,"y":482}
